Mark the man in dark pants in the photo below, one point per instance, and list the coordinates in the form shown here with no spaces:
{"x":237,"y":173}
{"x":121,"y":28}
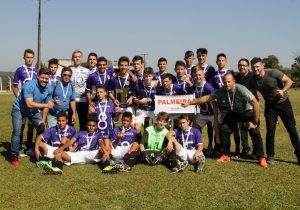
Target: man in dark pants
{"x":273,"y":86}
{"x":243,"y":107}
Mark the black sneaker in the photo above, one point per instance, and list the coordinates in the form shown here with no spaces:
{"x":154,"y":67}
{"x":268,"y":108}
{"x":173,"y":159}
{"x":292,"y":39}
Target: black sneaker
{"x":245,"y":151}
{"x":157,"y":161}
{"x":270,"y":160}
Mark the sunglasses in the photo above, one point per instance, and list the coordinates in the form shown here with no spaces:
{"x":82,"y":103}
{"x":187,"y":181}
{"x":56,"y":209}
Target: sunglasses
{"x":67,"y":75}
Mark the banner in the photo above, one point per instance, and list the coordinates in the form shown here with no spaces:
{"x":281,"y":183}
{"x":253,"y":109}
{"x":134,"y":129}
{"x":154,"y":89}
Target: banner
{"x":172,"y":104}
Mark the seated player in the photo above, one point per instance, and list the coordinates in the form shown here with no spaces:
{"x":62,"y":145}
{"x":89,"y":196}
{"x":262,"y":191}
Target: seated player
{"x":155,"y":147}
{"x":87,"y":148}
{"x":188,"y":143}
{"x":124,"y":143}
{"x":54,"y":140}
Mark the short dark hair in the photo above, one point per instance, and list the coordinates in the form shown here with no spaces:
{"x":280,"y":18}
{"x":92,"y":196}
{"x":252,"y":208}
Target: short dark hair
{"x":66,"y":69}
{"x":44,"y":70}
{"x":123,"y":58}
{"x":127,"y":114}
{"x":188,"y":54}
{"x":201,"y":51}
{"x":221,"y":55}
{"x":92,"y":54}
{"x":148,"y":70}
{"x":92,"y":118}
{"x":101,"y":59}
{"x":52,"y":61}
{"x":30,"y":51}
{"x":184,"y":116}
{"x":100,"y":87}
{"x":167,"y":75}
{"x":244,"y":59}
{"x":161,"y":60}
{"x":256,"y":60}
{"x":163,"y":116}
{"x":180,"y":63}
{"x":137,"y":58}
{"x":62,"y":114}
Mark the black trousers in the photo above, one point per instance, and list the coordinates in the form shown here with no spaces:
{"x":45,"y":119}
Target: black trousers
{"x":82,"y":111}
{"x":132,"y":158}
{"x":230,"y":124}
{"x":285,"y":112}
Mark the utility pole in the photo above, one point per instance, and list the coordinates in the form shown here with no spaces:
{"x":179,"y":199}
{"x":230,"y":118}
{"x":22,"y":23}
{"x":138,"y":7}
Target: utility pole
{"x":144,"y":57}
{"x":39,"y":36}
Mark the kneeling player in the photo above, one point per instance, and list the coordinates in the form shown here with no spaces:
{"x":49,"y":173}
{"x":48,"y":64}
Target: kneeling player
{"x":188,"y":143}
{"x":87,"y":148}
{"x":54,"y":140}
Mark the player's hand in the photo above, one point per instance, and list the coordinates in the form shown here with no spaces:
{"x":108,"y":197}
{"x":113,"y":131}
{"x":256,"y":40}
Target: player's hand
{"x":37,"y":154}
{"x":73,"y":118}
{"x":196,"y":156}
{"x":144,"y":101}
{"x":170,"y":147}
{"x":56,"y":101}
{"x":280,"y":93}
{"x":251,"y":125}
{"x":129,"y":101}
{"x":120,"y":135}
{"x":117,"y":103}
{"x":186,"y":104}
{"x":91,"y":104}
{"x":57,"y":151}
{"x":91,"y":108}
{"x":50,"y":104}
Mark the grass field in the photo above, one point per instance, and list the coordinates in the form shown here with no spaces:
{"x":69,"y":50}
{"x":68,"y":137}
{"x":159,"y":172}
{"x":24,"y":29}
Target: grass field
{"x":239,"y":184}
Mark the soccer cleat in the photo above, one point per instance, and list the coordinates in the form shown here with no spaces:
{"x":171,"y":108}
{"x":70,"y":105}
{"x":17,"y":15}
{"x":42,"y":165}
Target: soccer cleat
{"x":270,"y":160}
{"x":262,"y":162}
{"x":175,"y":170}
{"x":157,"y":161}
{"x":52,"y":170}
{"x":30,"y":152}
{"x":123,"y":167}
{"x":223,"y":158}
{"x":182,"y":165}
{"x":22,"y":153}
{"x":43,"y":163}
{"x":15,"y":160}
{"x":200,"y":164}
{"x":110,"y":170}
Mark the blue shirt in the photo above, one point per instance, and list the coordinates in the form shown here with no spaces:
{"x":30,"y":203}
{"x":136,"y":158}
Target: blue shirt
{"x":32,"y":89}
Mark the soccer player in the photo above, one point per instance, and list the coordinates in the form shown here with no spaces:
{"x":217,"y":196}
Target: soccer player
{"x":87,"y":148}
{"x":188,"y":143}
{"x":105,"y":111}
{"x":189,"y":58}
{"x":100,"y":77}
{"x":138,"y":65}
{"x":144,"y":98}
{"x":273,"y":85}
{"x":23,"y":74}
{"x":243,"y":107}
{"x":92,"y":62}
{"x":183,"y":80}
{"x":53,"y":66}
{"x":64,"y":98}
{"x":125,"y":144}
{"x":208,"y":69}
{"x":54,"y":139}
{"x":34,"y":102}
{"x":156,"y":148}
{"x":79,"y":77}
{"x":162,"y":64}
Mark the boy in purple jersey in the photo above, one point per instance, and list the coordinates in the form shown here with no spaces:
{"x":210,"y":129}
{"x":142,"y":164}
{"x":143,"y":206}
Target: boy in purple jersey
{"x":183,"y":80}
{"x":162,"y":69}
{"x":208,"y":69}
{"x":87,"y":148}
{"x":54,"y":139}
{"x":144,"y":98}
{"x":100,"y":77}
{"x":23,"y":74}
{"x":92,"y":62}
{"x":189,"y":58}
{"x":207,"y":112}
{"x":188,"y":143}
{"x":138,"y":63}
{"x":53,"y":66}
{"x":105,"y":111}
{"x":121,"y":86}
{"x":125,"y":144}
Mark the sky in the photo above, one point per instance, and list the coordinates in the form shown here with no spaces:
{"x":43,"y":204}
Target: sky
{"x":159,"y":28}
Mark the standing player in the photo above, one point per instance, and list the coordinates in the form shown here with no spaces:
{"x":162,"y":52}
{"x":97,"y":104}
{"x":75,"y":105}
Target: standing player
{"x":183,"y":80}
{"x":23,"y":74}
{"x":53,"y":66}
{"x":273,"y":85}
{"x":189,"y":58}
{"x":138,"y":65}
{"x":92,"y":62}
{"x":162,"y":69}
{"x":188,"y":143}
{"x":208,"y":69}
{"x":79,"y":77}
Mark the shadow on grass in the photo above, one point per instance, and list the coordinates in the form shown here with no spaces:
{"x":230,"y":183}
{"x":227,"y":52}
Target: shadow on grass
{"x":5,"y":153}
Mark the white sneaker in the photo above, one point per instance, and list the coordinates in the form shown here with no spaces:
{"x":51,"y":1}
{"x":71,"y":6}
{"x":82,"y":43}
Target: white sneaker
{"x":22,"y":153}
{"x":30,"y":152}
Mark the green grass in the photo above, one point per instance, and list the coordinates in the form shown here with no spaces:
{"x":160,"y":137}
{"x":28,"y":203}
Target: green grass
{"x":239,"y":184}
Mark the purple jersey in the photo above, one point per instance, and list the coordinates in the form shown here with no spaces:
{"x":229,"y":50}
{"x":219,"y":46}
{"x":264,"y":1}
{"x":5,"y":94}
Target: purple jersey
{"x":175,"y":90}
{"x":87,"y":142}
{"x":24,"y":74}
{"x":182,"y":84}
{"x":54,"y":135}
{"x":140,"y":77}
{"x":141,"y":91}
{"x":129,"y":137}
{"x":217,"y":78}
{"x":95,"y":79}
{"x":157,"y":76}
{"x":189,"y":139}
{"x":205,"y":89}
{"x":105,"y":111}
{"x":121,"y":87}
{"x":53,"y":79}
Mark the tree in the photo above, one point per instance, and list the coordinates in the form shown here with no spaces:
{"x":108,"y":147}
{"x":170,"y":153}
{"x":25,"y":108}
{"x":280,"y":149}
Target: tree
{"x":272,"y":62}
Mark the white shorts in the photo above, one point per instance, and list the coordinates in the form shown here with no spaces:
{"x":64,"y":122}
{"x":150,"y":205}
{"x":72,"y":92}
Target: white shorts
{"x":187,"y":154}
{"x":140,"y":116}
{"x":203,"y":119}
{"x":82,"y":157}
{"x":118,"y":152}
{"x":50,"y":152}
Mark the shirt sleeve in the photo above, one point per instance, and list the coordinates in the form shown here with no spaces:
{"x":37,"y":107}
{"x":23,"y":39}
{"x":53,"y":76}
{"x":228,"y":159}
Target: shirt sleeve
{"x":28,"y":90}
{"x":16,"y":78}
{"x":47,"y":134}
{"x":114,"y":135}
{"x":198,"y":137}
